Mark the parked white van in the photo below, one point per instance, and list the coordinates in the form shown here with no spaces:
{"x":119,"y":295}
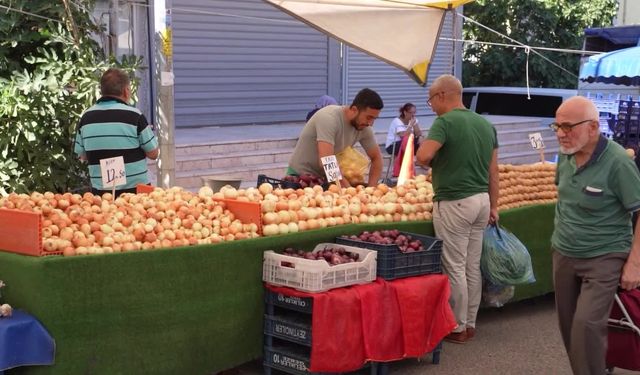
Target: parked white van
{"x":514,"y":101}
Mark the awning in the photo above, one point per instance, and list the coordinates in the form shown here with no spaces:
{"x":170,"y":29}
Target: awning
{"x":401,"y":33}
{"x":620,"y":67}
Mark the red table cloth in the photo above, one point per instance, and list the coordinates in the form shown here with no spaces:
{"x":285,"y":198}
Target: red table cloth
{"x":381,"y":321}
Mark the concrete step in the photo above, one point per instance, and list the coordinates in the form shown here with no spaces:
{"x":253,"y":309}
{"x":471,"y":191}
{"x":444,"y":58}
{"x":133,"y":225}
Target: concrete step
{"x":225,"y":147}
{"x":524,"y":145}
{"x":526,"y":157}
{"x":249,"y":174}
{"x":231,"y":159}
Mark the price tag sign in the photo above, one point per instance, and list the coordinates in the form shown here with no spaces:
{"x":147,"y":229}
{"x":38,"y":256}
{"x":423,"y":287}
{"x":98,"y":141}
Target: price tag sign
{"x":536,"y":141}
{"x":113,"y":173}
{"x":331,"y":168}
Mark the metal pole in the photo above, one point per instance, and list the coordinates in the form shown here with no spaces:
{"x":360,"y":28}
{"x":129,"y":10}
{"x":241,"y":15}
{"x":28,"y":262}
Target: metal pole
{"x":113,"y":27}
{"x":163,"y":68}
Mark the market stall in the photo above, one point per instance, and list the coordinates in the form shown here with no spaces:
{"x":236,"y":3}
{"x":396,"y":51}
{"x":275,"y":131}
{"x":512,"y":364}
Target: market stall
{"x":188,"y":310}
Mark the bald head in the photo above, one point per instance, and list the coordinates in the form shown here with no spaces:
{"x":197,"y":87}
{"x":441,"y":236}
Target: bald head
{"x":447,"y":83}
{"x":578,"y":107}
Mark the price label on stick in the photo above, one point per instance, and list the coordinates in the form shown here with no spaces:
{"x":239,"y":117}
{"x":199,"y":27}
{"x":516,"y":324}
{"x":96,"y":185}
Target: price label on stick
{"x":331,"y":168}
{"x":536,"y":141}
{"x":113,"y":173}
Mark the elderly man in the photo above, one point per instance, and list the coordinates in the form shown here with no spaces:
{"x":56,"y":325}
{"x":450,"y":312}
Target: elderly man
{"x":333,"y":129}
{"x":594,"y":249}
{"x":462,"y":148}
{"x":113,"y":128}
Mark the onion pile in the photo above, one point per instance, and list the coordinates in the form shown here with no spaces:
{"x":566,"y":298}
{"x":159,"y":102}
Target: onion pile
{"x":289,"y":211}
{"x":90,"y":224}
{"x":333,"y":255}
{"x":529,"y":184}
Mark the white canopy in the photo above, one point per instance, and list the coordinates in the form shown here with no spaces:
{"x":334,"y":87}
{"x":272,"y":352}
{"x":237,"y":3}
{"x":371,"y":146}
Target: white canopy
{"x":403,"y":33}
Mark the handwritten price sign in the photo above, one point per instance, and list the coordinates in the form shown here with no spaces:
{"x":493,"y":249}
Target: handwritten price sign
{"x":113,"y":172}
{"x":331,"y":168}
{"x":536,"y":141}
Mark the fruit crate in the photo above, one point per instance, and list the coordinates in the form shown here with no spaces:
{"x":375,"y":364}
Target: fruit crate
{"x":289,"y":358}
{"x":301,"y":304}
{"x":317,"y":275}
{"x":294,"y":327}
{"x":277,"y":183}
{"x":394,"y":264}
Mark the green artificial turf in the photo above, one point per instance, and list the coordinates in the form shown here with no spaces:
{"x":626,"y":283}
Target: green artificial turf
{"x":194,"y":310}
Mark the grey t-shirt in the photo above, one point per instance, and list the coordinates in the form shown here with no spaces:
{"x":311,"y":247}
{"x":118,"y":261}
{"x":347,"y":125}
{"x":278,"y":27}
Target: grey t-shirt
{"x":327,"y":125}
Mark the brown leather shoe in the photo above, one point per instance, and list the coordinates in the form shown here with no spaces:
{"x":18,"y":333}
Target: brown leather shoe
{"x":471,"y":333}
{"x":457,"y":337}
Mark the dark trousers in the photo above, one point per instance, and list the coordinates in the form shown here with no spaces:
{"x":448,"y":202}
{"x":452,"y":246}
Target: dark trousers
{"x":585,"y":290}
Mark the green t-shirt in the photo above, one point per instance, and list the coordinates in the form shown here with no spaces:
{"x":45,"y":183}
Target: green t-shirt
{"x":595,"y":202}
{"x":461,"y":165}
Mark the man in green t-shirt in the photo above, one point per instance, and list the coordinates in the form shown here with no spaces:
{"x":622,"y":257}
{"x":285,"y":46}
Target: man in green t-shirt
{"x":333,"y":129}
{"x":594,"y":248}
{"x":462,"y":149}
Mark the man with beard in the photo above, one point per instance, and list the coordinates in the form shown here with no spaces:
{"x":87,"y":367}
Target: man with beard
{"x":594,"y":247}
{"x":333,"y":129}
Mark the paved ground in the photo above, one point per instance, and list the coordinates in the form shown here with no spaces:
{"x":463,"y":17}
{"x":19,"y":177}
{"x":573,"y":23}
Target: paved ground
{"x":519,"y":339}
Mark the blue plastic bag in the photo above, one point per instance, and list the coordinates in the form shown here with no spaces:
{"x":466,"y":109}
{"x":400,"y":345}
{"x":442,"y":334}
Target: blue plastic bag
{"x":505,"y":260}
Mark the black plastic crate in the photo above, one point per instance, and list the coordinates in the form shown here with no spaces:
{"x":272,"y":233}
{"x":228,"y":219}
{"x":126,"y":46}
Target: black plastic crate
{"x":289,"y":327}
{"x":287,"y":358}
{"x":277,"y":183}
{"x":393,"y":264}
{"x":302,"y":304}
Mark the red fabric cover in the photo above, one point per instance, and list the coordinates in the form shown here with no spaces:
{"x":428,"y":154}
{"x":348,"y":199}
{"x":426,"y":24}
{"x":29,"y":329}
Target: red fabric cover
{"x":425,"y":312}
{"x":336,"y":338}
{"x":397,"y":163}
{"x":380,"y":321}
{"x":624,"y":345}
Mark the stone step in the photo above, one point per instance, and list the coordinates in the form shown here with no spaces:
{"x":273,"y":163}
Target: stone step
{"x":226,"y":160}
{"x":527,"y":157}
{"x":193,"y":178}
{"x":524,"y":145}
{"x":215,"y":148}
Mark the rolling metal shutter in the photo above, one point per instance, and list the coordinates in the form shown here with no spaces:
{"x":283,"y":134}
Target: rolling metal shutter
{"x":394,"y":86}
{"x":234,"y":63}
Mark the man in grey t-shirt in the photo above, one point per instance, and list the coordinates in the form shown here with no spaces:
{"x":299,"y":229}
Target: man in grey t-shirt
{"x":334,"y":128}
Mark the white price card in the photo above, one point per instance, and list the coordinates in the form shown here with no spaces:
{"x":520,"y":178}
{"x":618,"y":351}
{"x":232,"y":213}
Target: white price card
{"x":113,"y":172}
{"x":331,"y":168}
{"x":536,"y":141}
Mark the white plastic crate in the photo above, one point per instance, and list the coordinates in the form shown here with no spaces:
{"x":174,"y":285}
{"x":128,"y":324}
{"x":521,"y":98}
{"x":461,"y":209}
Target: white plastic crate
{"x":317,"y":275}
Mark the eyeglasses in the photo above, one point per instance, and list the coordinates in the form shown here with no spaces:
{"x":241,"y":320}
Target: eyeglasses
{"x":566,"y":128}
{"x":429,"y":99}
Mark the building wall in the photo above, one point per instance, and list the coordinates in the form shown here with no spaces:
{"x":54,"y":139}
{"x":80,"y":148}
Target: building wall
{"x":628,"y":13}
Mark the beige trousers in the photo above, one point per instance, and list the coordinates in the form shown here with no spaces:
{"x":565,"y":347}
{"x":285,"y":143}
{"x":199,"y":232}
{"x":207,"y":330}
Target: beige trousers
{"x":460,"y":225}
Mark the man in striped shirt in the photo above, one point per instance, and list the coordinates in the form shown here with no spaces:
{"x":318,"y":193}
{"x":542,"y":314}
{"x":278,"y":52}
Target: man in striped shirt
{"x":113,"y":128}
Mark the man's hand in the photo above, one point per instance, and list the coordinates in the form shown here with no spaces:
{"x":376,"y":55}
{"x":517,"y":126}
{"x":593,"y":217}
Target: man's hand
{"x":493,"y":216}
{"x":630,"y":274}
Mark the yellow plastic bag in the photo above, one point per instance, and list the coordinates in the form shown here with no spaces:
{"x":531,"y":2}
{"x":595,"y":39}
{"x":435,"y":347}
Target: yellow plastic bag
{"x":353,"y":165}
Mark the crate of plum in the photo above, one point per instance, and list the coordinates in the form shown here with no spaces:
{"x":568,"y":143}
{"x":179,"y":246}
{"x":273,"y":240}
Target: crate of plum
{"x":400,"y":254}
{"x":328,"y":266}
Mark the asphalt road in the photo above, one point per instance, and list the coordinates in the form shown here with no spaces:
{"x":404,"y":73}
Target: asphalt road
{"x":519,"y":339}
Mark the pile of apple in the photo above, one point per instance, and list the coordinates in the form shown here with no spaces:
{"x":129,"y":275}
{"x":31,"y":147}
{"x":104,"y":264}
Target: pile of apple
{"x":522,"y":185}
{"x":90,"y":224}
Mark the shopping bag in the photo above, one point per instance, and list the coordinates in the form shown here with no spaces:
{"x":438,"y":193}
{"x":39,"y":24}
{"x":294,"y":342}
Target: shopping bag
{"x":505,"y":260}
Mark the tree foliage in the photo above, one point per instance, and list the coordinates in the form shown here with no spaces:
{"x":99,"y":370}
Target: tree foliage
{"x":537,"y":23}
{"x":48,"y":76}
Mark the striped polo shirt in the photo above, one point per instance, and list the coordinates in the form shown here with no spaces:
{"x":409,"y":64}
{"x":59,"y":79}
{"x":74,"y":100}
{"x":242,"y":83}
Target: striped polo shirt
{"x":113,"y":128}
